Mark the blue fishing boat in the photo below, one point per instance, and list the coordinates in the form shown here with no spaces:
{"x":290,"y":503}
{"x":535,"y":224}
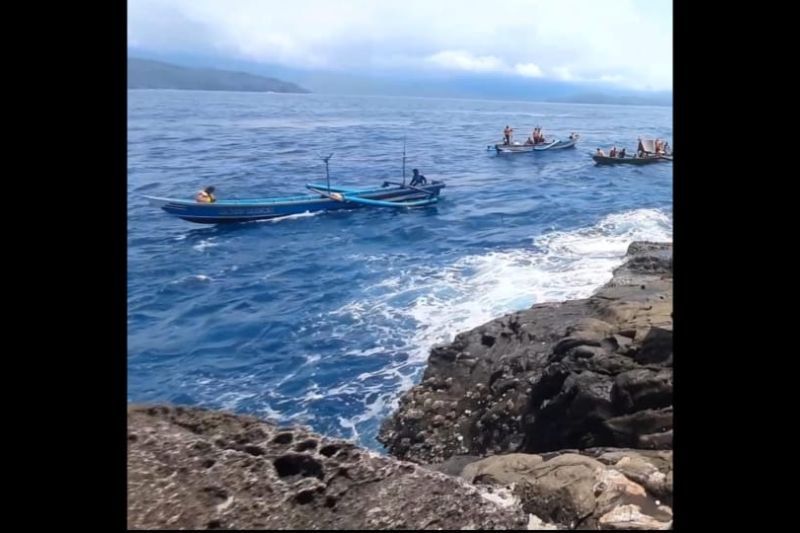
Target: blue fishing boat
{"x":323,"y":198}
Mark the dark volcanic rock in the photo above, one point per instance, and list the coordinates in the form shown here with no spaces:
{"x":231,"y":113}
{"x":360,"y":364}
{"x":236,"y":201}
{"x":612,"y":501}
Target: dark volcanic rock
{"x":642,"y":388}
{"x":196,"y":469}
{"x":584,"y":373}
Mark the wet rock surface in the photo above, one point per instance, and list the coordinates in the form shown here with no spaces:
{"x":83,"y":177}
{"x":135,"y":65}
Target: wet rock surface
{"x":601,"y":488}
{"x":566,"y":405}
{"x":578,"y":374}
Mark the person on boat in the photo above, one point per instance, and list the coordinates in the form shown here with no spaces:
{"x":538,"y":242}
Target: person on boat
{"x":621,"y":154}
{"x":666,"y":148}
{"x":572,"y":136}
{"x":418,"y":179}
{"x":206,"y":196}
{"x":640,"y":149}
{"x":659,"y":146}
{"x":613,"y":152}
{"x":600,"y":152}
{"x":507,"y":133}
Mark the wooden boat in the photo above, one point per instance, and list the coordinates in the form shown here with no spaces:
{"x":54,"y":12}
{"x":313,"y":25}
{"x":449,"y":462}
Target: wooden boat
{"x":555,"y":144}
{"x":646,"y":154}
{"x":323,"y":199}
{"x":646,"y":160}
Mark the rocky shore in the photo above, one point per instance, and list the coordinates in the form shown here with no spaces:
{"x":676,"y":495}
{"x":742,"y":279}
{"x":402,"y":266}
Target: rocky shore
{"x":196,"y":469}
{"x":559,"y":416}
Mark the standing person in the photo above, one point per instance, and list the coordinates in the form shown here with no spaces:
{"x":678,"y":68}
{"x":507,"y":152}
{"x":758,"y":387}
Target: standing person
{"x":507,"y":133}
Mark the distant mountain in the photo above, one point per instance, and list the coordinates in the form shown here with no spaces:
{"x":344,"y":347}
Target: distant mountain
{"x":397,"y":83}
{"x":658,"y":99}
{"x":148,"y":74}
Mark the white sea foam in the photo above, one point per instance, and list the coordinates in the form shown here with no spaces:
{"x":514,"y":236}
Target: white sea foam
{"x":409,"y":312}
{"x":205,"y":244}
{"x":191,"y":279}
{"x":230,"y":400}
{"x":311,"y":359}
{"x":438,"y":304}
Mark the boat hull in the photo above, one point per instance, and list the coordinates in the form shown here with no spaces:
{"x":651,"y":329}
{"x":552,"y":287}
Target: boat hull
{"x":513,"y":148}
{"x":557,"y":145}
{"x":605,"y":160}
{"x":232,"y":211}
{"x":520,"y":148}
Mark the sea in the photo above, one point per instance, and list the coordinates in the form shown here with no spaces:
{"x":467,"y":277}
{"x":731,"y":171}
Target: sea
{"x":325,"y":319}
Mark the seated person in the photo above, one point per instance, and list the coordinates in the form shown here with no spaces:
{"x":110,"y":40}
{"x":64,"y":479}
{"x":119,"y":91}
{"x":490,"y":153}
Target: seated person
{"x":600,"y":153}
{"x":613,"y":152}
{"x":621,"y":154}
{"x":418,"y":179}
{"x":206,"y":196}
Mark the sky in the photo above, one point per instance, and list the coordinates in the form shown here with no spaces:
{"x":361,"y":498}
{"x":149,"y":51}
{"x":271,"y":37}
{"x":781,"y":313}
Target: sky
{"x":626,"y":44}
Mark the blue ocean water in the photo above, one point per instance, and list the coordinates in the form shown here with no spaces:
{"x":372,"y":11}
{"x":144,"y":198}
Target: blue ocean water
{"x":325,"y":319}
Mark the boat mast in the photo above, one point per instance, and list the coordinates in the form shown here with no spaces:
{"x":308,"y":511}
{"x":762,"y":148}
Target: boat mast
{"x":327,"y":171}
{"x":404,"y":160}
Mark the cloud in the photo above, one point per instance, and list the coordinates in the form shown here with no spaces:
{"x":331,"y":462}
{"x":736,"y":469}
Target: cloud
{"x":612,"y":78}
{"x":564,"y":74}
{"x":530,"y":70}
{"x":459,"y":60}
{"x":464,"y":61}
{"x":628,"y":42}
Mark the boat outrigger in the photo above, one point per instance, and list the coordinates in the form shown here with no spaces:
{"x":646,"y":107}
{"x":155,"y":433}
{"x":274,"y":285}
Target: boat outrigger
{"x":324,"y":198}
